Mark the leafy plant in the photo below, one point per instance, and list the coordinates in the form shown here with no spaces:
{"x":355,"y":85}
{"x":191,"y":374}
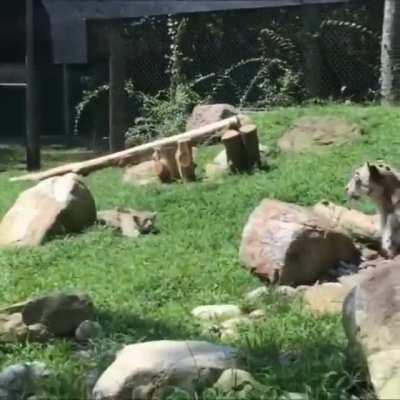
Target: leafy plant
{"x":164,"y":114}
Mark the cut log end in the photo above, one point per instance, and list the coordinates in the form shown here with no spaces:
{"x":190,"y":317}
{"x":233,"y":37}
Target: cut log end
{"x":184,"y":160}
{"x":235,"y":151}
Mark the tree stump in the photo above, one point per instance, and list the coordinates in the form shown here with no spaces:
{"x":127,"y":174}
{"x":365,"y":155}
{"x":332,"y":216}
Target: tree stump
{"x":168,"y":153}
{"x":251,"y":144}
{"x":235,"y":151}
{"x":161,"y":168}
{"x":184,"y":160}
{"x":291,"y":245}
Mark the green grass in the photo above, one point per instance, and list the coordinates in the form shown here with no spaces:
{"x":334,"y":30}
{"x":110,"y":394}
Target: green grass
{"x":145,"y":289}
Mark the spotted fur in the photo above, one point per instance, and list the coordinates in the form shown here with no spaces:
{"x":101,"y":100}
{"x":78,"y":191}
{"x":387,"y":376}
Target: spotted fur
{"x":381,"y":183}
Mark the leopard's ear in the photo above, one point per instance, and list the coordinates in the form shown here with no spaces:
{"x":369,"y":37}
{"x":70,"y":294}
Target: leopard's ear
{"x":374,"y":172}
{"x":137,"y":219}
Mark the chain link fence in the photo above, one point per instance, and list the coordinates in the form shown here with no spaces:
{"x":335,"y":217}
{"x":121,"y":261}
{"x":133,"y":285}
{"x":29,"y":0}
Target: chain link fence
{"x":253,"y":59}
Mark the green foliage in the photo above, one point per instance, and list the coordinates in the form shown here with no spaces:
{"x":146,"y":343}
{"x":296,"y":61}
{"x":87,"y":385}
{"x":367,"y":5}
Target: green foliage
{"x":89,"y":98}
{"x":164,"y":114}
{"x":145,"y":289}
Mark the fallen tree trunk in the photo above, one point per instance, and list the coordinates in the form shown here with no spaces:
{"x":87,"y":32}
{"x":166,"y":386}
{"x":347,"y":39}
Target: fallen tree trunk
{"x":349,"y":221}
{"x":288,"y":244}
{"x":235,"y":151}
{"x":134,"y":155}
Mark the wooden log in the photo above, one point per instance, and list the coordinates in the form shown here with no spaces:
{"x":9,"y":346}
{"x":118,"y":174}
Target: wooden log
{"x":235,"y":151}
{"x":184,"y":159}
{"x":251,"y":145}
{"x":352,"y":222}
{"x":167,"y":153}
{"x":67,"y":103}
{"x":289,"y":244}
{"x":161,"y":168}
{"x":133,"y":155}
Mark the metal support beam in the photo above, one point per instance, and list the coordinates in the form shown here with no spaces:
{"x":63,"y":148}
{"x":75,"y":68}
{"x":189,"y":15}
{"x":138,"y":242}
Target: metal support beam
{"x":32,"y":100}
{"x":67,"y":100}
{"x":118,"y":96}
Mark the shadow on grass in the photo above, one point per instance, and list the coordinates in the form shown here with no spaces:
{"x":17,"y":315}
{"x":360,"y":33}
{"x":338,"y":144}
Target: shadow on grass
{"x":320,"y":369}
{"x":11,"y":158}
{"x":124,"y":325}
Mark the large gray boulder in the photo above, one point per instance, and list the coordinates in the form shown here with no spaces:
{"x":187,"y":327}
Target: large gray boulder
{"x":289,"y":244}
{"x":56,"y":205}
{"x":205,"y":114}
{"x":371,"y":315}
{"x":148,"y":370}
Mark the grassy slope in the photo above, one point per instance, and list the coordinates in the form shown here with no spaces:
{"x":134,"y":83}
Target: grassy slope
{"x":145,"y":289}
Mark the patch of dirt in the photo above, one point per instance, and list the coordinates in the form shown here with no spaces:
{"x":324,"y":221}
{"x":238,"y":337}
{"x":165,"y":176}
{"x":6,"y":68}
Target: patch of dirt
{"x":311,"y":134}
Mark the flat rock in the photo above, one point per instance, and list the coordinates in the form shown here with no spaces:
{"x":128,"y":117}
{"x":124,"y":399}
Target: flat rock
{"x":148,"y":370}
{"x":257,"y":294}
{"x":288,"y":244}
{"x":61,"y":314}
{"x":371,"y":315}
{"x":54,"y":206}
{"x":141,"y":174}
{"x":205,"y":114}
{"x":326,"y":298}
{"x":310,"y":134}
{"x":220,"y":312}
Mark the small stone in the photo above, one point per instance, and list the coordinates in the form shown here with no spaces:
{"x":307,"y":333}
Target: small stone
{"x":39,"y":332}
{"x":88,"y":330}
{"x":236,"y":380}
{"x":20,"y":380}
{"x":235,"y":323}
{"x":258,"y":314}
{"x":257,"y":294}
{"x":219,"y":312}
{"x":286,"y":290}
